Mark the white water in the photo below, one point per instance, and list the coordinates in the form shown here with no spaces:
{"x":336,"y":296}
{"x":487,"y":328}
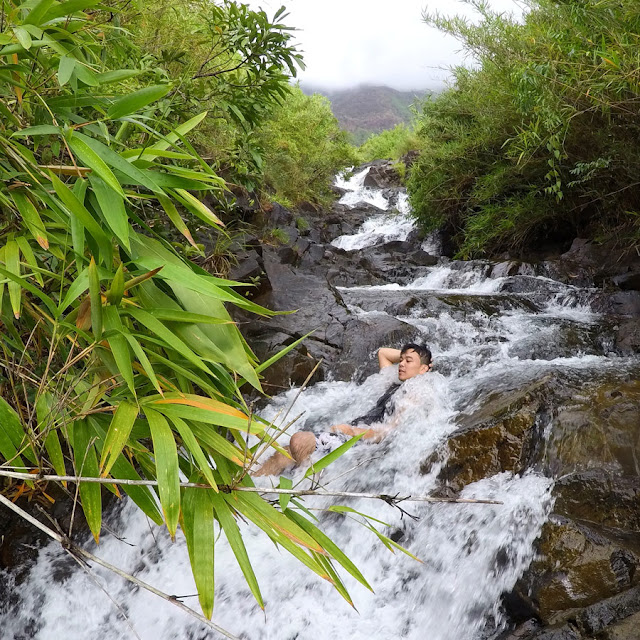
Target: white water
{"x":471,"y":553}
{"x":380,"y":227}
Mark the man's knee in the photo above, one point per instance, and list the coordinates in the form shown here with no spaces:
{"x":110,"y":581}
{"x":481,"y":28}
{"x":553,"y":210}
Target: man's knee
{"x":302,"y":445}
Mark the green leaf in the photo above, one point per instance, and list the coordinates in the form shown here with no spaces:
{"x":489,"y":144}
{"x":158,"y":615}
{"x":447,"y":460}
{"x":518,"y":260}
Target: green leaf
{"x":329,"y":546}
{"x":174,"y":216}
{"x":143,"y":359}
{"x":11,"y":431}
{"x":194,"y":448}
{"x":86,"y":464}
{"x":37,"y":130}
{"x":119,"y":346}
{"x":116,"y":291}
{"x":133,"y":102}
{"x":198,"y":208}
{"x":267,"y":363}
{"x":65,"y":69}
{"x":232,"y":532}
{"x":166,"y":455}
{"x":69,"y":8}
{"x":118,"y":434}
{"x":46,"y":424}
{"x":23,"y":37}
{"x":76,"y":208}
{"x":12,"y":262}
{"x":75,"y":290}
{"x":325,"y":461}
{"x":176,"y":315}
{"x":197,"y":520}
{"x":113,"y":211}
{"x":283,"y":498}
{"x":96,"y":300}
{"x":177,"y":133}
{"x":142,"y":496}
{"x":108,"y":77}
{"x":95,"y":162}
{"x":25,"y":284}
{"x":117,"y":162}
{"x":31,"y":218}
{"x":30,"y":258}
{"x":38,"y":11}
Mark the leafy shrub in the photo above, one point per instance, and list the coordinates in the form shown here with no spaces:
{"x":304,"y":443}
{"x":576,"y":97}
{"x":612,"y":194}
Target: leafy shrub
{"x":391,"y":144}
{"x":119,"y":359}
{"x":303,"y":148}
{"x":539,"y":140}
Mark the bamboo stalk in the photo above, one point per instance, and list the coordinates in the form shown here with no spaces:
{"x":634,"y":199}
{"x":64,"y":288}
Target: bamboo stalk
{"x":292,"y":492}
{"x":75,"y":550}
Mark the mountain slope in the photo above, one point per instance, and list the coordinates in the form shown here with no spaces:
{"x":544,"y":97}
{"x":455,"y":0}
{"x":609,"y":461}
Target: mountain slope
{"x":369,"y":109}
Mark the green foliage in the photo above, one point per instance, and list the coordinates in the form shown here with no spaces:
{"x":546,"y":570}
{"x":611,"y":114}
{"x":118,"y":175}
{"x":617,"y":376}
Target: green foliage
{"x":391,"y":144}
{"x":119,"y":358}
{"x":303,"y":148}
{"x":540,"y":138}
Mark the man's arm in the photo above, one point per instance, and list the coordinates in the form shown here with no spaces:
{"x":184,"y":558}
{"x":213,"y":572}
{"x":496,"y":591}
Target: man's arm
{"x":373,"y":435}
{"x":388,"y":356}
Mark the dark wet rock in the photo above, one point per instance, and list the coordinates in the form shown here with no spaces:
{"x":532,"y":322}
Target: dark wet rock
{"x":502,"y":435}
{"x":382,"y":174}
{"x":624,"y":303}
{"x":339,"y":191}
{"x":626,"y":629}
{"x":601,"y":615}
{"x":503,"y":269}
{"x":613,"y":501}
{"x":578,"y":566}
{"x":628,"y":281}
{"x":628,"y":337}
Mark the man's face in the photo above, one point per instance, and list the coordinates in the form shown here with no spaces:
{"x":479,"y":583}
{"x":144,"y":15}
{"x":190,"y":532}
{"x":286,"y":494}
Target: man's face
{"x":410,"y":365}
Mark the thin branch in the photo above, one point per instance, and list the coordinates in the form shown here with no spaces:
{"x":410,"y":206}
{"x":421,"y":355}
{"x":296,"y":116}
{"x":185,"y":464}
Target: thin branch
{"x":77,"y":551}
{"x":226,"y":489}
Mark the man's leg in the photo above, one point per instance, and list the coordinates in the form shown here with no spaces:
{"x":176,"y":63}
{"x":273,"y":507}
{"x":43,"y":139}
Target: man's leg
{"x":301,"y":446}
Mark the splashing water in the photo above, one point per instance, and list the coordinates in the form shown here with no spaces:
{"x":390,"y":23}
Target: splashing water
{"x":481,"y":336}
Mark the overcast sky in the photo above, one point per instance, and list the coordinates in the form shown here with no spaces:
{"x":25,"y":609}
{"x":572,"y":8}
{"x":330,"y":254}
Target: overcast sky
{"x":351,"y":42}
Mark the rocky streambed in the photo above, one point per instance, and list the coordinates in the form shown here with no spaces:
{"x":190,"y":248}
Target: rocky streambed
{"x":534,"y":401}
{"x":543,"y":360}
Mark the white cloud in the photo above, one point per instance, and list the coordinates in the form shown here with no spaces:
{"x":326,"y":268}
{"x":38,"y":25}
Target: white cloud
{"x":350,"y":42}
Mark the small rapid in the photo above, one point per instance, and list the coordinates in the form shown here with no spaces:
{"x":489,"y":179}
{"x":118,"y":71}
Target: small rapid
{"x":495,"y":331}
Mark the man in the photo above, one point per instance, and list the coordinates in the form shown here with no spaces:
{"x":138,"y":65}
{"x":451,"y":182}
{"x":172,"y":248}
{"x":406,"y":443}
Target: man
{"x":412,"y":360}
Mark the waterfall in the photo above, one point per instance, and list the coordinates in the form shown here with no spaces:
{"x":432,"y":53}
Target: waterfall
{"x":469,"y":554}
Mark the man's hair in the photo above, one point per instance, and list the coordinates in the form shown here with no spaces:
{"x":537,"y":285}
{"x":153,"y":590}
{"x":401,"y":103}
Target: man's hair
{"x":421,"y":349}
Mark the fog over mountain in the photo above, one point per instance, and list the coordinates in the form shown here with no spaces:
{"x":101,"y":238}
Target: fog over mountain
{"x":368,"y":109}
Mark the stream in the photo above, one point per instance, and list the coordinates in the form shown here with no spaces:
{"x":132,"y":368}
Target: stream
{"x":504,"y":330}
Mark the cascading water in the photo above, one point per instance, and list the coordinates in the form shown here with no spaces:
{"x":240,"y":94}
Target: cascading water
{"x":470,"y":554}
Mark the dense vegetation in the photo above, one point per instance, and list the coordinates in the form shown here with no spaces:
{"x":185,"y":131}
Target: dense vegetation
{"x":540,"y":140}
{"x":118,"y":357}
{"x":391,"y":144}
{"x":303,"y":147}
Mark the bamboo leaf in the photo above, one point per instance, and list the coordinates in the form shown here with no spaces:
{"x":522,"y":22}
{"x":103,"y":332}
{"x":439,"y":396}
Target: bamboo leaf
{"x":29,"y":258}
{"x":96,"y":300}
{"x":166,"y":455}
{"x":135,"y":101}
{"x":143,"y":359}
{"x":197,"y":515}
{"x":177,"y":315}
{"x":86,"y":463}
{"x":112,"y":207}
{"x":142,"y":496}
{"x":194,"y":448}
{"x":116,"y":291}
{"x":283,"y":498}
{"x":118,"y":344}
{"x":65,"y":69}
{"x":12,"y":262}
{"x":11,"y":432}
{"x":95,"y":162}
{"x":118,"y":434}
{"x":24,"y":284}
{"x":325,"y":461}
{"x":329,"y":546}
{"x":234,"y":537}
{"x":178,"y":222}
{"x":31,"y":218}
{"x":199,"y":209}
{"x":46,"y":424}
